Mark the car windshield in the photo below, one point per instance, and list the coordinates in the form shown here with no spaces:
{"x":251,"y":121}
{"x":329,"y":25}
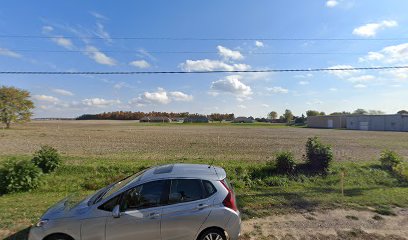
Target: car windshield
{"x":113,"y":188}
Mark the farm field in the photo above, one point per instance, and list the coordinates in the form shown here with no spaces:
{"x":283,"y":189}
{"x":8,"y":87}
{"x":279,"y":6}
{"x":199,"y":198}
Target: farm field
{"x":96,"y":153}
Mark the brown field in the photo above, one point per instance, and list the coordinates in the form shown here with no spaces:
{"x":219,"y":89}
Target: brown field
{"x":129,"y":140}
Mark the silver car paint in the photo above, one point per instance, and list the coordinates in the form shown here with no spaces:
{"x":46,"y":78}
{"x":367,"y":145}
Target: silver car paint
{"x":178,"y":221}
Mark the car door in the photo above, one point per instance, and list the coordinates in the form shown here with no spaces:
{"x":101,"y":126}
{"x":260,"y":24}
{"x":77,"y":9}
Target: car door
{"x":188,"y":207}
{"x":141,"y":209}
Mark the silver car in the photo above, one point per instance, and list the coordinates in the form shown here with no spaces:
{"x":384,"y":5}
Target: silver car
{"x":178,"y":201}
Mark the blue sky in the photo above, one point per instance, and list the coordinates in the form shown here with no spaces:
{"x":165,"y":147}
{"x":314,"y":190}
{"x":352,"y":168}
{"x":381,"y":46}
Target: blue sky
{"x":82,"y":36}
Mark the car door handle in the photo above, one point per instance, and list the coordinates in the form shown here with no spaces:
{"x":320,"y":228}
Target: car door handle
{"x":154,"y":215}
{"x":202,"y":206}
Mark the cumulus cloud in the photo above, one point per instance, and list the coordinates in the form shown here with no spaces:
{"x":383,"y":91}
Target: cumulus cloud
{"x":304,"y":82}
{"x":8,"y":53}
{"x":98,"y":56}
{"x":332,"y":3}
{"x":99,"y":102}
{"x":63,"y":42}
{"x":371,"y":29}
{"x":63,"y":92}
{"x":180,"y":96}
{"x":140,"y":64}
{"x":343,"y":73}
{"x":45,"y":98}
{"x":333,"y":89}
{"x":360,"y":86}
{"x":161,"y":96}
{"x":47,"y":29}
{"x":211,"y":65}
{"x":231,"y":84}
{"x":391,"y":54}
{"x":277,"y":90}
{"x":259,"y":44}
{"x":363,"y":78}
{"x":229,"y":54}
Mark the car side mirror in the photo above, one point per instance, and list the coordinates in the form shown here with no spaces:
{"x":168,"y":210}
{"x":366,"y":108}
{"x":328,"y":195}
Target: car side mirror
{"x":116,"y":211}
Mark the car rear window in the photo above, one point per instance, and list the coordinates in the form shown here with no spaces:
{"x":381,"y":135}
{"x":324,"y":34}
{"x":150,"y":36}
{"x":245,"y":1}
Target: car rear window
{"x":187,"y":189}
{"x":209,"y":188}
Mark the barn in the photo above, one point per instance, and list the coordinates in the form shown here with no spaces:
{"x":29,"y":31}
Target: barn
{"x":335,"y":121}
{"x":155,"y":119}
{"x":393,"y":122}
{"x":196,"y":119}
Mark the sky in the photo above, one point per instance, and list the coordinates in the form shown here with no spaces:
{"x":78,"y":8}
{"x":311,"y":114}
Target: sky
{"x":190,"y":35}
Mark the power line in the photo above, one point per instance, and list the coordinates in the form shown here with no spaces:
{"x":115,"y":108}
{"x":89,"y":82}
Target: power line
{"x":197,"y":72}
{"x":201,"y":39}
{"x":179,"y":52}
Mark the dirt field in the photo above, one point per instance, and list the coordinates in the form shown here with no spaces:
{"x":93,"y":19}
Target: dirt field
{"x":130,"y":140}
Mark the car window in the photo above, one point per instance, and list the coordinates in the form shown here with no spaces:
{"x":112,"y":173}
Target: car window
{"x":209,"y":188}
{"x":147,"y":195}
{"x":185,"y":190}
{"x":110,"y":204}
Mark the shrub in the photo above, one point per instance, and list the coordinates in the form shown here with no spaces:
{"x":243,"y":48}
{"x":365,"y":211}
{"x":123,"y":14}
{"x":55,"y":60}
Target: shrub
{"x":390,"y":160}
{"x":19,"y":176}
{"x":276,"y":181}
{"x":319,"y":155}
{"x":47,"y":158}
{"x":285,"y":162}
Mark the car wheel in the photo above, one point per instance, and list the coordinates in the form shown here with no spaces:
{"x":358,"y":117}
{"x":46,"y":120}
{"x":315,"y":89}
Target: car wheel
{"x":213,"y":234}
{"x":59,"y":237}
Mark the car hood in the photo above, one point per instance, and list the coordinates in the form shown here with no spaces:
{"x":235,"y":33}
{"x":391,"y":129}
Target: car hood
{"x":71,"y":206}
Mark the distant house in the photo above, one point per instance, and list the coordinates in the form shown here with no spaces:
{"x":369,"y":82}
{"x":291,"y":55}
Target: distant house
{"x":243,"y":120}
{"x":155,"y":119}
{"x":196,"y":119}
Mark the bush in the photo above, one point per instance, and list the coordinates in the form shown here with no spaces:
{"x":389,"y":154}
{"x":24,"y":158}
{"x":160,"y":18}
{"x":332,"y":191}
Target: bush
{"x":19,"y":176}
{"x":390,"y":160}
{"x":47,"y":158}
{"x":285,"y":162}
{"x":319,"y":155}
{"x":276,"y":181}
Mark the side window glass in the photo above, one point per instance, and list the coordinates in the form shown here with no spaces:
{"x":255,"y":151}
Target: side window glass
{"x":109,"y":205}
{"x":185,"y":190}
{"x":147,"y":195}
{"x":209,"y":188}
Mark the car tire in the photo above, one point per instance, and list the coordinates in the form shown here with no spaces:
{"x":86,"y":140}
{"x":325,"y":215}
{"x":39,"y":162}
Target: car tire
{"x":59,"y":237}
{"x":213,"y":234}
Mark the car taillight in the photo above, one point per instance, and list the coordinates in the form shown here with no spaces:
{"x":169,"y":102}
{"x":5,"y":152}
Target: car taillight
{"x":229,"y":200}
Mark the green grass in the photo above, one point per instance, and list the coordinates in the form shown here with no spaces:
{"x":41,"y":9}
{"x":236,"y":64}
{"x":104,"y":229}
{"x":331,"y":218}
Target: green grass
{"x":365,"y":185}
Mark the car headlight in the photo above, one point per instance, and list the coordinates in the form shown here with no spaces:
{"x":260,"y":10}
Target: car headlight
{"x":41,"y":223}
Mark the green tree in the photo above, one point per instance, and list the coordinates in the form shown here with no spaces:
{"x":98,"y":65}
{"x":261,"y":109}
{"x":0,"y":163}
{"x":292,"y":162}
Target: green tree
{"x":360,"y":111}
{"x":15,"y":105}
{"x":376,"y":112}
{"x":311,"y":113}
{"x":273,"y":115}
{"x":288,"y":116}
{"x":402,"y":112}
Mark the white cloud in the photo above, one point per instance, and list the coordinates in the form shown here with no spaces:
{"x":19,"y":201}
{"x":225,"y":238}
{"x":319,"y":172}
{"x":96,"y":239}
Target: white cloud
{"x":265,"y":105}
{"x":211,"y":65}
{"x":157,"y":97}
{"x":343,"y":73}
{"x":363,"y":78}
{"x":98,"y":15}
{"x":63,"y":42}
{"x":45,"y":98}
{"x":304,"y":82}
{"x":259,"y":44}
{"x":242,"y":106}
{"x":333,"y":89}
{"x":390,"y":54}
{"x":360,"y":86}
{"x":231,"y":84}
{"x":63,"y":92}
{"x":314,"y":102}
{"x":99,"y":102}
{"x":277,"y":90}
{"x":99,"y":56}
{"x":371,"y":29}
{"x":140,"y":64}
{"x":8,"y":53}
{"x":100,"y":32}
{"x":229,"y":54}
{"x":180,"y":96}
{"x":47,"y":29}
{"x":332,"y":3}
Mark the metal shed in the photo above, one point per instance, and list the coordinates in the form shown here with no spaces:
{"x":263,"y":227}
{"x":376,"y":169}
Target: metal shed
{"x":335,"y":121}
{"x":394,"y":122}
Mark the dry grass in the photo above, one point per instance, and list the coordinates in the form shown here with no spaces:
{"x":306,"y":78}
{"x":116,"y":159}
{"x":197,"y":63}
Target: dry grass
{"x":129,"y":140}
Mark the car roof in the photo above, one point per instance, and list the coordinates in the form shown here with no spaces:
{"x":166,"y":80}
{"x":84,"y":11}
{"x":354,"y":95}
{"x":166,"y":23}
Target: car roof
{"x":199,"y":171}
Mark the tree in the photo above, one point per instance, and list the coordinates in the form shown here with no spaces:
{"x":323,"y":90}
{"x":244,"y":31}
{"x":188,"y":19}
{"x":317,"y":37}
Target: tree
{"x":402,"y":112}
{"x":340,"y":113}
{"x":273,"y":115}
{"x":288,"y":116}
{"x":376,"y":112}
{"x":311,"y":113}
{"x":360,"y":111}
{"x":15,"y":105}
